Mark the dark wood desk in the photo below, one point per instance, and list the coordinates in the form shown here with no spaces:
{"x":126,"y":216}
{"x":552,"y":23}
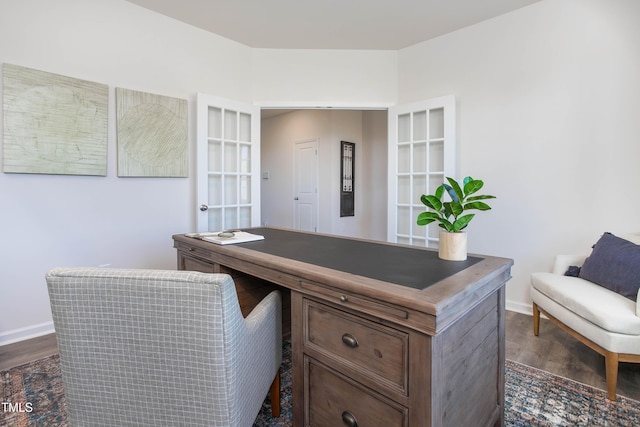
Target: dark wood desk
{"x":371,"y":346}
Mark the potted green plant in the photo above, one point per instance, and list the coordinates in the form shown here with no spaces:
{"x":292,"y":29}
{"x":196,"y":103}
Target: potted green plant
{"x":453,"y":216}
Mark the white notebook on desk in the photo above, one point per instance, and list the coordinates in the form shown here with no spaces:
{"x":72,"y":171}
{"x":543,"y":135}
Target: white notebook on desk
{"x":238,"y":237}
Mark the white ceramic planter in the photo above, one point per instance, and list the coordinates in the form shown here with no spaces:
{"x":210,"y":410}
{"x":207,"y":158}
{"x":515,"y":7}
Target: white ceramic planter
{"x":452,"y":246}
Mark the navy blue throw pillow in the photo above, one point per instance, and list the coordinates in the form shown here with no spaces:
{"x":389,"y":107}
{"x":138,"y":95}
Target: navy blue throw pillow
{"x":614,"y":264}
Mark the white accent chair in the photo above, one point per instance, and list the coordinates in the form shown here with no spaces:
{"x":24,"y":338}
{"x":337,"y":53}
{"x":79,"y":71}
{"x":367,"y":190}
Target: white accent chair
{"x":163,"y":348}
{"x":603,"y":320}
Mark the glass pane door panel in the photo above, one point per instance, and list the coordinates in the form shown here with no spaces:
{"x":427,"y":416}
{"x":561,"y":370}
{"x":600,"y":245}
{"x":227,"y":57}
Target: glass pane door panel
{"x":215,"y":190}
{"x":215,"y":156}
{"x":215,"y":122}
{"x":215,"y":219}
{"x":245,"y":190}
{"x":436,"y":156}
{"x":245,"y":127}
{"x":245,"y":216}
{"x":404,"y":190}
{"x":434,"y":182}
{"x":245,"y":158}
{"x":404,"y":128}
{"x":419,"y":188}
{"x":230,"y":190}
{"x":419,"y":126}
{"x":433,"y":231}
{"x":404,"y":220}
{"x":416,"y":230}
{"x":404,"y":240}
{"x":230,"y":157}
{"x":420,"y":157}
{"x":419,"y":241}
{"x":230,"y":125}
{"x":231,"y":218}
{"x":404,"y":159}
{"x":436,"y":123}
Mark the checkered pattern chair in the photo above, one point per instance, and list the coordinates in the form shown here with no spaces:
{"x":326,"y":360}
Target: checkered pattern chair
{"x":163,"y":348}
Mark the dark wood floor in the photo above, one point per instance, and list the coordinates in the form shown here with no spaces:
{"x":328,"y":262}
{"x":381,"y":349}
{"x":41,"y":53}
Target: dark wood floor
{"x":27,"y":351}
{"x":553,"y":351}
{"x":558,"y":352}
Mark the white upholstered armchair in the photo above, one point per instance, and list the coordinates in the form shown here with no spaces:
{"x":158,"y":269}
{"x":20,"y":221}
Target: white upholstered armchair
{"x":163,"y":348}
{"x":600,"y":318}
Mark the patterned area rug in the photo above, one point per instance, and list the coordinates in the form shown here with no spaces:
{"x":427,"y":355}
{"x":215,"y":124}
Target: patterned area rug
{"x":539,"y":399}
{"x":33,"y":395}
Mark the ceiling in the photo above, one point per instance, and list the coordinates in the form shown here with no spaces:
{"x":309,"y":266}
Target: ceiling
{"x":331,"y":24}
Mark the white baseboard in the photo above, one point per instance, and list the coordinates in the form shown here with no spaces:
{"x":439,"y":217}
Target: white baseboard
{"x":519,"y":307}
{"x":26,"y":333}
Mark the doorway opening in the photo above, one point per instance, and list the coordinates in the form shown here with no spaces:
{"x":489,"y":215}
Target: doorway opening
{"x":281,"y":132}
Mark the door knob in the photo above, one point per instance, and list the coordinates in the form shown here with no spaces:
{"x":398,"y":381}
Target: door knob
{"x":204,"y":208}
{"x":295,"y":198}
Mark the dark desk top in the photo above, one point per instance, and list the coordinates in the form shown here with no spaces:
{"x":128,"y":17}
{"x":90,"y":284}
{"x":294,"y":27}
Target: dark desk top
{"x":406,"y":266}
{"x":430,"y":292}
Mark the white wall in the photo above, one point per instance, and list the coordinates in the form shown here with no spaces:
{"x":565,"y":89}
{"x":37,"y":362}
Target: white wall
{"x":374,"y":174}
{"x":324,"y":78}
{"x":547,"y":107}
{"x":48,"y":221}
{"x":278,"y":137}
{"x":367,"y":129}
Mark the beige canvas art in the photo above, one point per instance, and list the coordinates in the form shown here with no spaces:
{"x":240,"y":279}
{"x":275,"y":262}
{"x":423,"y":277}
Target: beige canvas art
{"x":152,"y":135}
{"x":53,"y":124}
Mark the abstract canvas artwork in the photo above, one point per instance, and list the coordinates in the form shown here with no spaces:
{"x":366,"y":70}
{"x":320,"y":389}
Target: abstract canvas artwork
{"x":53,"y":124}
{"x":152,"y":135}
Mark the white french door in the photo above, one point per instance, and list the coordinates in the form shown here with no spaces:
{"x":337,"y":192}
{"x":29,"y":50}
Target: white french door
{"x":228,"y":164}
{"x":422,"y":152}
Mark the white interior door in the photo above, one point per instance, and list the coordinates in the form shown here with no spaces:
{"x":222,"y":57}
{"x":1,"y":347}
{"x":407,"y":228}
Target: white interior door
{"x":306,"y":186}
{"x":422,"y":152}
{"x":228,"y":164}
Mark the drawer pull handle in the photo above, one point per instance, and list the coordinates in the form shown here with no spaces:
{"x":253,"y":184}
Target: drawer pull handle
{"x":191,"y":249}
{"x":344,"y":298}
{"x":349,"y":420}
{"x":350,"y":341}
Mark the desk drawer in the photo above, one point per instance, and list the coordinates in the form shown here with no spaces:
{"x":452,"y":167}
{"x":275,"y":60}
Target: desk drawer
{"x":191,"y":263}
{"x":354,"y":302}
{"x":335,"y":400}
{"x":371,"y":349}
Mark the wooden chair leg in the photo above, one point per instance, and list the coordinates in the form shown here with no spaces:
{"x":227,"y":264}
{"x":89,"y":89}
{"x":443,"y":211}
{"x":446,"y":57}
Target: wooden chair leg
{"x":536,"y":319}
{"x":275,"y":396}
{"x":611,"y":363}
